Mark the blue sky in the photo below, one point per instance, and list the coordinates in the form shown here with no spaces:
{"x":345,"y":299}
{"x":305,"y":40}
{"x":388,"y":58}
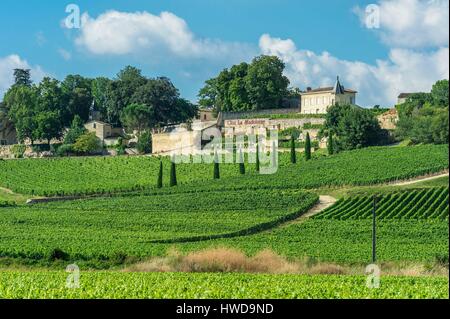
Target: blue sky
{"x":317,"y":40}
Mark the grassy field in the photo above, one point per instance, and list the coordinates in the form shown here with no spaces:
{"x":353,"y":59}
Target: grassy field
{"x":181,"y":285}
{"x":114,"y":174}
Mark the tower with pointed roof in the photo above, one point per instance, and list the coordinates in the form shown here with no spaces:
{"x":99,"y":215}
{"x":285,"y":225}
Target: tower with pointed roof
{"x":317,"y":101}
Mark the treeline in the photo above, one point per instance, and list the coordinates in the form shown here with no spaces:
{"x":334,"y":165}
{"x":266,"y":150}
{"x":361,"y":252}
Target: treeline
{"x":423,"y":118}
{"x":43,"y":110}
{"x":258,"y":85}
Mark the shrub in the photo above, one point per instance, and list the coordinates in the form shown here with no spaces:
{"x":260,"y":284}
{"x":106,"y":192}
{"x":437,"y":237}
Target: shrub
{"x":18,"y":150}
{"x":144,"y":144}
{"x":87,"y":143}
{"x":58,"y":254}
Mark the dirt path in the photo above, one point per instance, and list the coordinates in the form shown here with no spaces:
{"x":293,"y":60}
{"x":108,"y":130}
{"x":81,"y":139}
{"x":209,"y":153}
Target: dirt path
{"x":420,"y":179}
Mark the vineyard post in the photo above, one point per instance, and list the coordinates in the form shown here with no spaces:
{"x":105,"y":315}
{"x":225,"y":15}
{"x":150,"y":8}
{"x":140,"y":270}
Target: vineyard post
{"x":374,"y":230}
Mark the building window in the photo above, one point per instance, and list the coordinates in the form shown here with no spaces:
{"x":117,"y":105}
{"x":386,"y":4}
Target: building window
{"x":3,"y":142}
{"x":94,"y":125}
{"x":204,"y":117}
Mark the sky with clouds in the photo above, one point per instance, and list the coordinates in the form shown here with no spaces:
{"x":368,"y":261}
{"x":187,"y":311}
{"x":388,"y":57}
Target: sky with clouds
{"x":379,"y":48}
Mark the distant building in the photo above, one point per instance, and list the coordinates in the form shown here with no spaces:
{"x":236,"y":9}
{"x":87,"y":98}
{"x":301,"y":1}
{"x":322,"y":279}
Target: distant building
{"x":206,"y":115}
{"x":403,"y":97}
{"x":388,"y":120}
{"x":317,"y":101}
{"x":104,"y":131}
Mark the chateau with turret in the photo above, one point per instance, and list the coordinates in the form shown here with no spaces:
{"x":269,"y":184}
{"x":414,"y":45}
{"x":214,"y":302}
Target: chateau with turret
{"x":317,"y":101}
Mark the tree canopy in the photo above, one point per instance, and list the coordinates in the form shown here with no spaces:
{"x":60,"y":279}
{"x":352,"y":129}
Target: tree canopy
{"x":258,"y":85}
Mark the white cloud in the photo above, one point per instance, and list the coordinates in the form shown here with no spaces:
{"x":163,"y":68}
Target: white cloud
{"x":7,"y":66}
{"x":66,"y":55}
{"x":121,"y":33}
{"x":380,"y":83}
{"x":412,"y":23}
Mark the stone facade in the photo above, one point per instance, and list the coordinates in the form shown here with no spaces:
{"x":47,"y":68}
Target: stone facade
{"x":388,"y":120}
{"x":103,"y":130}
{"x":317,"y":101}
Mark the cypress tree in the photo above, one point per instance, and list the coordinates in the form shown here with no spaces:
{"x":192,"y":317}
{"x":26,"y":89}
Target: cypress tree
{"x":307,"y":147}
{"x":330,"y":144}
{"x":293,"y":155}
{"x":257,"y":157}
{"x":160,"y":176}
{"x":216,"y":167}
{"x":173,"y":175}
{"x":241,"y":163}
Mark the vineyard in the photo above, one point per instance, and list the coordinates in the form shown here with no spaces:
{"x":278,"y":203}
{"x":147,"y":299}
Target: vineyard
{"x":101,"y":228}
{"x":429,"y":203}
{"x":80,"y":176}
{"x":105,"y":285}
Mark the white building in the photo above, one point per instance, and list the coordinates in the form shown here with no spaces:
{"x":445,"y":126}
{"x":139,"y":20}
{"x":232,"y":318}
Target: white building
{"x":317,"y":101}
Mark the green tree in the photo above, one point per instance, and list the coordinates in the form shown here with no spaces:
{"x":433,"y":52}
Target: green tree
{"x":258,"y":85}
{"x":173,"y":174}
{"x":266,"y":85}
{"x":77,"y":95}
{"x":22,"y":77}
{"x":257,"y":158}
{"x":76,"y":130}
{"x":136,"y":117}
{"x":241,"y":163}
{"x":120,"y":92}
{"x":21,"y":104}
{"x":87,"y":143}
{"x":307,"y":147}
{"x":48,"y":126}
{"x":330,"y":145}
{"x":144,"y":144}
{"x":439,"y":92}
{"x":293,"y":154}
{"x":101,"y":92}
{"x":159,"y":183}
{"x":353,"y":127}
{"x":216,"y":166}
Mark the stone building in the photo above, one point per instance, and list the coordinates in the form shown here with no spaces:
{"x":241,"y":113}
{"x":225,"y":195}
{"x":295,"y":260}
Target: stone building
{"x":104,"y":131}
{"x":317,"y":101}
{"x":402,"y":97}
{"x":388,"y":120}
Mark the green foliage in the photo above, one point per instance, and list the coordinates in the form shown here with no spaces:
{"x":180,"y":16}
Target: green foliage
{"x":142,"y":223}
{"x":259,"y":85}
{"x":431,"y":203}
{"x":18,"y":150}
{"x":159,"y":183}
{"x":144,"y":144}
{"x":118,"y":174}
{"x":293,"y":153}
{"x":241,"y":163}
{"x":87,"y":144}
{"x":154,"y":285}
{"x":216,"y":166}
{"x":173,"y":174}
{"x":136,"y":117}
{"x":22,"y":77}
{"x":76,"y":130}
{"x":307,"y":147}
{"x":77,"y":97}
{"x":353,"y":127}
{"x":439,"y":92}
{"x":330,"y":144}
